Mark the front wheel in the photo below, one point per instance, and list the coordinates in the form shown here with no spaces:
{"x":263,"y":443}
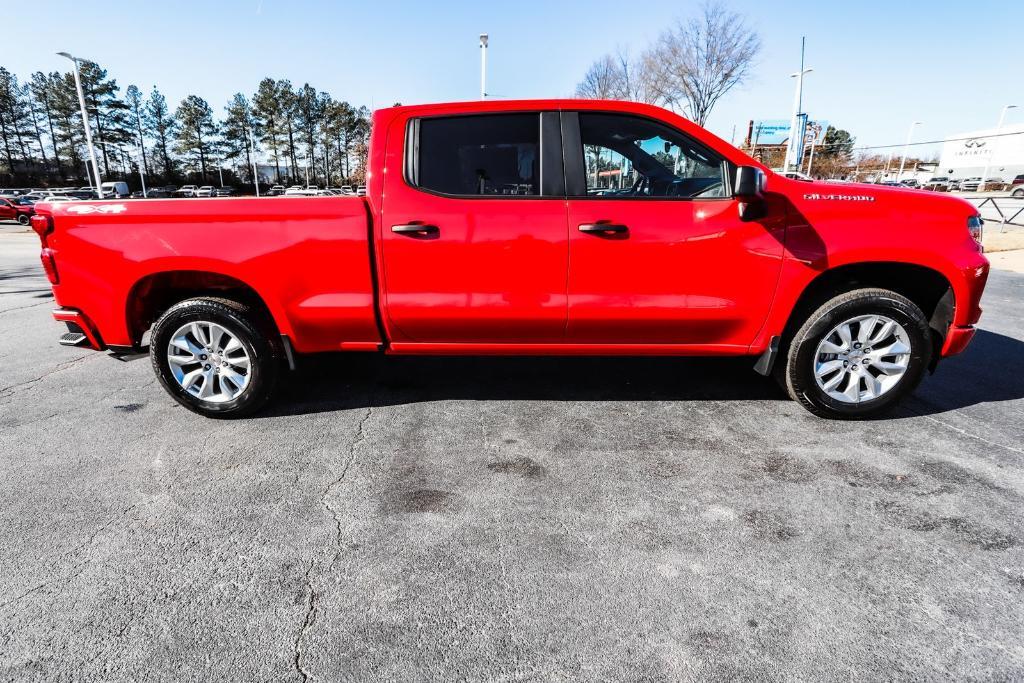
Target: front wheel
{"x":215,"y":357}
{"x":858,"y":355}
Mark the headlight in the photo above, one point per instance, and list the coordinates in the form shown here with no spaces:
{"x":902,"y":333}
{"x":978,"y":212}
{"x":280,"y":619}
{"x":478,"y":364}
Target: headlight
{"x":974,"y":226}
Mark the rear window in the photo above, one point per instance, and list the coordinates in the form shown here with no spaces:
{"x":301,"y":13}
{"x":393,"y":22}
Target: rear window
{"x":484,"y":155}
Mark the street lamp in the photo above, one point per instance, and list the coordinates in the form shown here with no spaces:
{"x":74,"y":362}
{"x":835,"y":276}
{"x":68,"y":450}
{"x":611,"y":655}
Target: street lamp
{"x":988,"y":162}
{"x":792,"y":150}
{"x":85,"y":122}
{"x":483,"y":66}
{"x":906,"y":146}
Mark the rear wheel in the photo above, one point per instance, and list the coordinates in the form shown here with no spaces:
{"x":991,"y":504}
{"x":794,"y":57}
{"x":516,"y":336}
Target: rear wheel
{"x":858,"y":355}
{"x":23,"y":218}
{"x":215,"y":357}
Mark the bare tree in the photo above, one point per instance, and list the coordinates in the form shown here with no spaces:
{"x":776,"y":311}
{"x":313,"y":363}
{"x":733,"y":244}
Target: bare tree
{"x":616,"y":77}
{"x":694,"y":64}
{"x":602,"y":81}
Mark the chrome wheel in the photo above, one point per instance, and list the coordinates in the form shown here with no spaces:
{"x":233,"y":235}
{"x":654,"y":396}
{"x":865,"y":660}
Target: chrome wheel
{"x":209,"y":361}
{"x":862,"y":358}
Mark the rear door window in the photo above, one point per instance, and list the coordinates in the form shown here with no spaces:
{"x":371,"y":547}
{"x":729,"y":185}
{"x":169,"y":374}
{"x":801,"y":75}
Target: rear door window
{"x":488,"y":155}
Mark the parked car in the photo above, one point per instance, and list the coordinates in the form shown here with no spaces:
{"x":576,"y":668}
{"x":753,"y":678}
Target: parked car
{"x":994,"y":184}
{"x":361,"y":191}
{"x":275,"y":191}
{"x":226,"y":191}
{"x":910,"y":182}
{"x":16,"y":209}
{"x":205,"y":191}
{"x":938,"y":184}
{"x":156,"y":192}
{"x":186,"y":191}
{"x":716,"y":260}
{"x":81,"y":194}
{"x":1017,"y":180}
{"x":969,"y":184}
{"x":115,"y":190}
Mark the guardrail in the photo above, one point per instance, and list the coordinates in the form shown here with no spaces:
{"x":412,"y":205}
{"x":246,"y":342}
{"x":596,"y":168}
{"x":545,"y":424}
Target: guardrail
{"x":1005,"y":219}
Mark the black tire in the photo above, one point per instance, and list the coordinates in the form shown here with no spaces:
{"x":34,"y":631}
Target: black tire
{"x":23,"y":218}
{"x":251,"y":328}
{"x":797,"y":372}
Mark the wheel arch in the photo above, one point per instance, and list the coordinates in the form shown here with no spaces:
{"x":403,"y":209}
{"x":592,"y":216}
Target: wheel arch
{"x":154,"y":293}
{"x":928,"y":288}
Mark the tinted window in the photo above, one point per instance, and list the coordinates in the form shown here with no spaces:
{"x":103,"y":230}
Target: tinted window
{"x":627,"y":156}
{"x":480,"y":155}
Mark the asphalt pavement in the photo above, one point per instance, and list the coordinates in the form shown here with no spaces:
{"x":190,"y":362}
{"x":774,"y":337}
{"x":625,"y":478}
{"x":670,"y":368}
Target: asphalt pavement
{"x":504,"y":518}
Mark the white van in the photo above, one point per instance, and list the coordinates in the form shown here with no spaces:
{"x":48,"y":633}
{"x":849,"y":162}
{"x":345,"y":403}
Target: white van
{"x":115,"y":190}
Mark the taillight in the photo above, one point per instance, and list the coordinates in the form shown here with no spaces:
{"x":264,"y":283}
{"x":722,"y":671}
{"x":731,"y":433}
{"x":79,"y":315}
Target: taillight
{"x":43,"y":225}
{"x":49,"y":265}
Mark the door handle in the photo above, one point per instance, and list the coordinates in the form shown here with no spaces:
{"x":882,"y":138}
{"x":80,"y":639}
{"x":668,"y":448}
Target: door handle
{"x":417,"y":230}
{"x":603,"y":229}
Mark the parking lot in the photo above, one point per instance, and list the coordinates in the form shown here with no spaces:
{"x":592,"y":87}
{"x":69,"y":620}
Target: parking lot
{"x":504,"y":518}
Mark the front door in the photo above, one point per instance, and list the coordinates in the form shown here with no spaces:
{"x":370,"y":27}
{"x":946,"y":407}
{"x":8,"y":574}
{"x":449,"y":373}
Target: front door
{"x":657,"y":251}
{"x":7,"y":210}
{"x":474,"y":232}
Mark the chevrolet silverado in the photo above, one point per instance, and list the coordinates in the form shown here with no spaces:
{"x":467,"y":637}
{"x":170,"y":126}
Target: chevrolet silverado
{"x":530,"y":227}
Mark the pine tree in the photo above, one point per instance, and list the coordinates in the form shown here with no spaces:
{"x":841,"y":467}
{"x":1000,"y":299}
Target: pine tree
{"x":160,"y":124}
{"x":41,"y":86}
{"x":196,"y":132}
{"x":269,"y":118}
{"x":307,"y":121}
{"x":238,"y":130}
{"x":107,"y":111}
{"x":133,"y":98}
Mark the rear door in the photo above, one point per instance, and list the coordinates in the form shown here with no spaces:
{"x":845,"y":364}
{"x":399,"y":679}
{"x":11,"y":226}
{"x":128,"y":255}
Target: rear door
{"x":474,"y":233}
{"x":657,"y":251}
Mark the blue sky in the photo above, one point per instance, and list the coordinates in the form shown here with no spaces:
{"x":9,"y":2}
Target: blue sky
{"x":877,"y":65}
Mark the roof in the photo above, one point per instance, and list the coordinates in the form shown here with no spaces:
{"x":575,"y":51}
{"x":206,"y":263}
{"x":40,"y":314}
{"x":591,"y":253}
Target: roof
{"x":388,"y":114}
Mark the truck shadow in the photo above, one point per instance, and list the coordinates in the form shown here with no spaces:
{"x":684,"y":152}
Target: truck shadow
{"x":989,"y":371}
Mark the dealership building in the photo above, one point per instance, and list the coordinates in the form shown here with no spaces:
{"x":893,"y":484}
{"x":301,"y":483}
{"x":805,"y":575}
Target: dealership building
{"x":966,"y":155}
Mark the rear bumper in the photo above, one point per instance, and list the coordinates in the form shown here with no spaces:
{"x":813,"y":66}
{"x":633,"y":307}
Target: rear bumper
{"x":77,"y":319}
{"x":957,"y":340}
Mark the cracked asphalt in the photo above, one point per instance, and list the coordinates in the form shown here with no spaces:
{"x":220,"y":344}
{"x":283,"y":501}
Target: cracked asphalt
{"x":551,"y":518}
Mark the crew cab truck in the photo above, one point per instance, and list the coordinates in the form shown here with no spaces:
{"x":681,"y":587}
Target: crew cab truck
{"x":531,"y":227}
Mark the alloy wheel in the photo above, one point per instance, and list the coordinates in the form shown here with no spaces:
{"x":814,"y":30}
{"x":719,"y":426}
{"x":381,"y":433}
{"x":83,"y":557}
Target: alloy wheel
{"x":862,"y":358}
{"x":209,"y":361}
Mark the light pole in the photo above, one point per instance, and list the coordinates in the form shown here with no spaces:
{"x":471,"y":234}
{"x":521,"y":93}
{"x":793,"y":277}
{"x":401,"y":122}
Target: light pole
{"x":142,"y":175}
{"x":255,"y":172}
{"x":483,"y":66}
{"x":794,"y":145}
{"x":906,"y":146}
{"x":988,"y":162}
{"x":85,"y":122}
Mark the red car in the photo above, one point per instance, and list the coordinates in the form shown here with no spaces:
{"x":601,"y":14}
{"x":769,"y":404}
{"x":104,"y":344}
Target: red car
{"x":16,"y":209}
{"x":531,"y":227}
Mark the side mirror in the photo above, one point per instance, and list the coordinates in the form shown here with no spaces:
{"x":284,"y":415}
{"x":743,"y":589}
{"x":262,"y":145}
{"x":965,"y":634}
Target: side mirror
{"x":749,"y":189}
{"x":750,"y":182}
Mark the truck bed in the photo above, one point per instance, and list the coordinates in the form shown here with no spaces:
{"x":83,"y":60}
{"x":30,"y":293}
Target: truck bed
{"x":308,"y":257}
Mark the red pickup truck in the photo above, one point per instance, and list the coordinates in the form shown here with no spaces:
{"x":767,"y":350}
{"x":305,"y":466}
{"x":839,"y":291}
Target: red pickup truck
{"x":530,"y":227}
